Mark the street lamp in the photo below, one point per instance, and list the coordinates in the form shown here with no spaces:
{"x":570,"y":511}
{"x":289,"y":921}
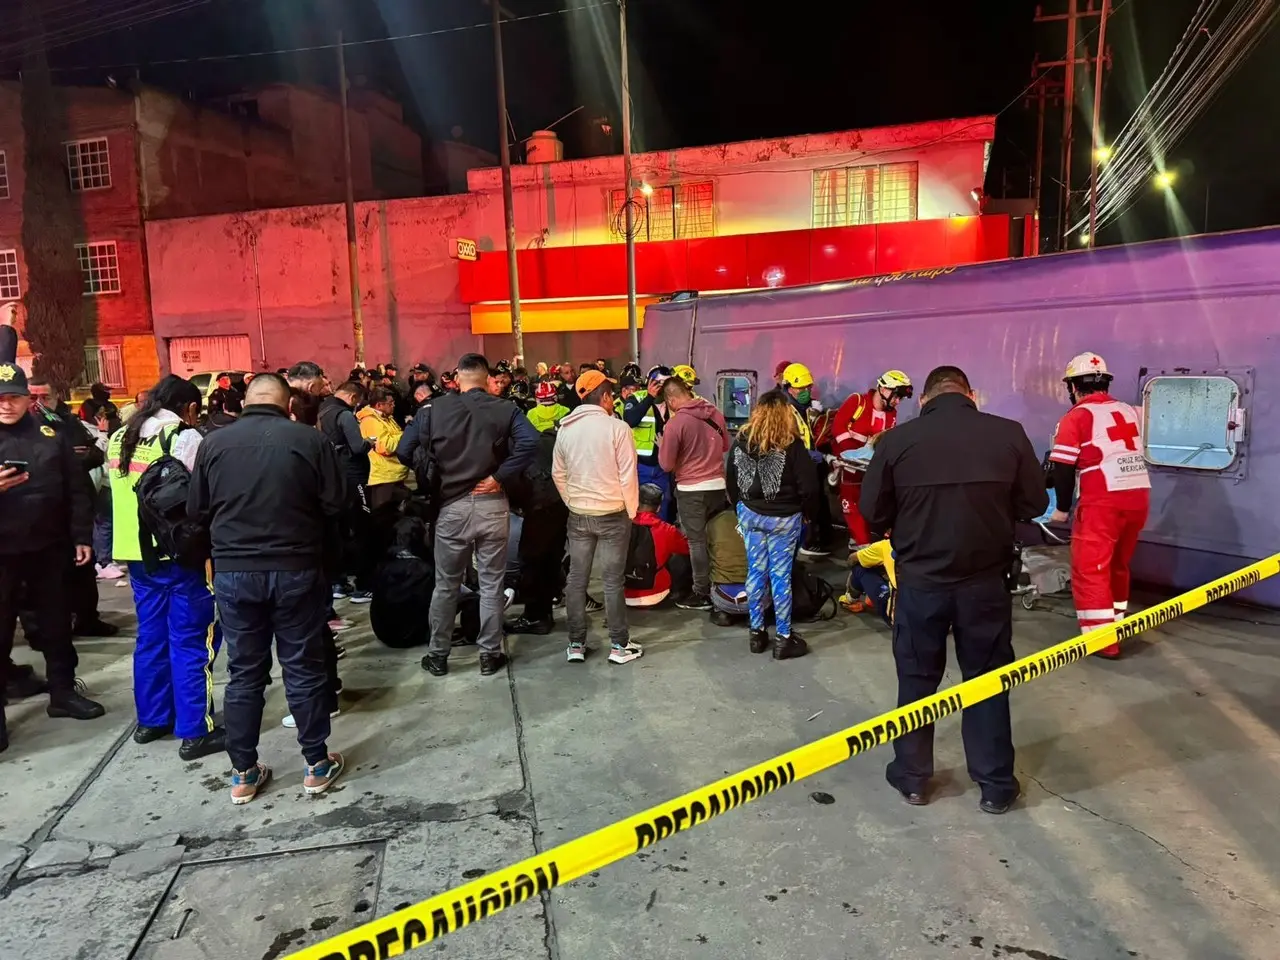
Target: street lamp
{"x":1085,"y":238}
{"x":1102,"y":154}
{"x":1165,"y":179}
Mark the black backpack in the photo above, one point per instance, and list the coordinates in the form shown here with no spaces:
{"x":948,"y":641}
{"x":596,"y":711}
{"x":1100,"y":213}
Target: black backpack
{"x":164,"y":529}
{"x":810,"y":596}
{"x":642,"y":559}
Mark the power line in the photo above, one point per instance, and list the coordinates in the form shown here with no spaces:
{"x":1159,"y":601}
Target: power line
{"x":315,"y":48}
{"x":77,"y":25}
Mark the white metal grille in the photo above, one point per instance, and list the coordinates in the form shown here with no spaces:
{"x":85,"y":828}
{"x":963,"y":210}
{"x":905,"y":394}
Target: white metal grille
{"x":89,"y":164}
{"x":887,"y":193}
{"x":679,"y":211}
{"x":4,"y":176}
{"x":10,"y":288}
{"x":105,"y":365}
{"x":99,"y":267}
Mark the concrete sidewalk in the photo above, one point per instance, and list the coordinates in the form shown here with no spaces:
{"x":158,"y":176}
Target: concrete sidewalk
{"x":1148,"y":829}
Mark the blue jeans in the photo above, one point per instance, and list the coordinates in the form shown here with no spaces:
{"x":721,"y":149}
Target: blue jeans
{"x":872,"y":582}
{"x":771,"y":547}
{"x":292,"y":606}
{"x":177,"y":643}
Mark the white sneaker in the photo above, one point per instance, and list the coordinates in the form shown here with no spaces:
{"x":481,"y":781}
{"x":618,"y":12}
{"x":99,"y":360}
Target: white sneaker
{"x":109,"y":571}
{"x":632,"y":651}
{"x":576,"y":653}
{"x":340,"y":624}
{"x":508,"y":598}
{"x":292,"y":724}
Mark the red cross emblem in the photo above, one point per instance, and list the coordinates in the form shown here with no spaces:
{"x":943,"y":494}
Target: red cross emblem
{"x":1123,"y":432}
{"x":1095,"y":361}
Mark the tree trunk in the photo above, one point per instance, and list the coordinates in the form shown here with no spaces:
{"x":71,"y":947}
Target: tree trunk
{"x":51,"y":224}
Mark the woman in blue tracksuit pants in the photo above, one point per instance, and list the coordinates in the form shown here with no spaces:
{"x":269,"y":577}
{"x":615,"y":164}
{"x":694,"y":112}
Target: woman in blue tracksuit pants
{"x":774,"y":488}
{"x":177,"y":636}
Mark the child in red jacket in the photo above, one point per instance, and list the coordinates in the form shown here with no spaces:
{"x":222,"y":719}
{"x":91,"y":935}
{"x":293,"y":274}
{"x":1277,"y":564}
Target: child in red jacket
{"x":658,"y":556}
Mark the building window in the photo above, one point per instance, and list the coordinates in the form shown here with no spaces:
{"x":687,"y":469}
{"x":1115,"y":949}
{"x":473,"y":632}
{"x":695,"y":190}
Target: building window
{"x":679,"y":211}
{"x":105,"y":365}
{"x":1192,"y":422}
{"x":854,"y":196}
{"x":735,"y":392}
{"x":99,"y":267}
{"x":4,"y":176}
{"x":10,"y":289}
{"x":89,"y":164}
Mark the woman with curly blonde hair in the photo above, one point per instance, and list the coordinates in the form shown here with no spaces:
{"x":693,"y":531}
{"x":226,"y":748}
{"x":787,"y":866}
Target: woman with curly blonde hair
{"x":773,"y":486}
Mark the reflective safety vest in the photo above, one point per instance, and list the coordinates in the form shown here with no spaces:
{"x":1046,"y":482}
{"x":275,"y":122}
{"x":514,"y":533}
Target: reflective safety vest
{"x":802,"y":423}
{"x":645,"y":434}
{"x":124,"y":501}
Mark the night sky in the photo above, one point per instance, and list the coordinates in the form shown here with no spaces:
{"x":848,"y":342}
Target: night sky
{"x":710,"y":71}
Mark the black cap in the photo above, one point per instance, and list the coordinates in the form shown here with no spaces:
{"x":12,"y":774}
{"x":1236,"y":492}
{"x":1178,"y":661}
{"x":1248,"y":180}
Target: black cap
{"x":13,"y":381}
{"x":627,"y":380}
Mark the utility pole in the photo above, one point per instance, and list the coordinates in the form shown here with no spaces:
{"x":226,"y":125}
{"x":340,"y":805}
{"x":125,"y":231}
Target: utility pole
{"x":1094,"y":157}
{"x":353,"y":259}
{"x":508,"y":200}
{"x":1070,"y":60}
{"x":633,"y":325}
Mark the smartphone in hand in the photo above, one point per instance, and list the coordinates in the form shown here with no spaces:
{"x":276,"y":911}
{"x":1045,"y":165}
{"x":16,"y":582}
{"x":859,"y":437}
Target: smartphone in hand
{"x":19,"y":465}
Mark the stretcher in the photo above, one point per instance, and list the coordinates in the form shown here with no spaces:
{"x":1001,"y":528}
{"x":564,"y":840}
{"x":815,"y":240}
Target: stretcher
{"x":1033,"y":535}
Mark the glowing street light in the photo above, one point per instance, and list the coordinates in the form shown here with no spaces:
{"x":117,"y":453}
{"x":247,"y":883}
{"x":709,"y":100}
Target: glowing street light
{"x":1165,"y":179}
{"x":646,"y":189}
{"x":1102,"y":154}
{"x":1085,"y":238}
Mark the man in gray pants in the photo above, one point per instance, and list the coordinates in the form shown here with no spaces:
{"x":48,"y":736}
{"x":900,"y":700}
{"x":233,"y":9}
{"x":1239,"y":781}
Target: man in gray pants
{"x":594,"y":468}
{"x":477,"y":444}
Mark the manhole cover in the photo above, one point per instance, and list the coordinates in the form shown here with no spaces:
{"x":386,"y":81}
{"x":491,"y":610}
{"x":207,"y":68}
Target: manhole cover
{"x":264,"y":907}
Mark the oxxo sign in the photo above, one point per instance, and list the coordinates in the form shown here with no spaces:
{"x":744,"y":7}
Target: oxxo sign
{"x":465,"y":249}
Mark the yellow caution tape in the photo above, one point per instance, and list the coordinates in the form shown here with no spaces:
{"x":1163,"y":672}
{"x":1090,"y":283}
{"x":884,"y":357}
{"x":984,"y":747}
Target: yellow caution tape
{"x":446,"y":912}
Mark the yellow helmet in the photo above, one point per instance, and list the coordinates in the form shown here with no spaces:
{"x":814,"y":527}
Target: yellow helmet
{"x":797,"y":375}
{"x":687,"y":374}
{"x":892,"y":379}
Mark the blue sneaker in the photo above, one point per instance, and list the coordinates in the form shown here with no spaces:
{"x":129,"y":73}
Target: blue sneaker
{"x":245,"y":784}
{"x":319,"y":777}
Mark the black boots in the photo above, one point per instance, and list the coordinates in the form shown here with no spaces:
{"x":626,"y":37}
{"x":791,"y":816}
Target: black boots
{"x":529,"y":627}
{"x":491,"y":663}
{"x":70,"y":704}
{"x":788,"y":648}
{"x":435,"y":665}
{"x":143,"y":734}
{"x":210,"y":743}
{"x":760,"y":640}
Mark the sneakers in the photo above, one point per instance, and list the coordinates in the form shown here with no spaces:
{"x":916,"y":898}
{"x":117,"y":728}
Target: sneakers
{"x":150,"y":734}
{"x":193,"y":748}
{"x":695,"y":601}
{"x":361,"y":596}
{"x":853,"y":604}
{"x":95,"y":628}
{"x":508,"y":598}
{"x":292,"y":724}
{"x":814,"y":552}
{"x":70,"y":704}
{"x":593,"y":605}
{"x":338,"y":624}
{"x":341,"y":591}
{"x":626,"y":653}
{"x":435,"y":665}
{"x":109,"y":571}
{"x":557,"y":603}
{"x":491,"y":663}
{"x":245,"y":784}
{"x":788,"y":648}
{"x":534,"y":628}
{"x":339,"y":651}
{"x":576,"y":653}
{"x":759,"y":640}
{"x":319,"y":777}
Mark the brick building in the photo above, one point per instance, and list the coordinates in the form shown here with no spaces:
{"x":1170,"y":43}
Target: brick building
{"x":143,"y":154}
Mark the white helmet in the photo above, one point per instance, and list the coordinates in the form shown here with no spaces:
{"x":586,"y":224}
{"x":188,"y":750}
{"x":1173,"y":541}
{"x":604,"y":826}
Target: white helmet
{"x":1086,"y":365}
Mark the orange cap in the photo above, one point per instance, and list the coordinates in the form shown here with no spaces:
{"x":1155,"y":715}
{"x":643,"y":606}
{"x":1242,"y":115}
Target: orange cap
{"x":590,"y":381}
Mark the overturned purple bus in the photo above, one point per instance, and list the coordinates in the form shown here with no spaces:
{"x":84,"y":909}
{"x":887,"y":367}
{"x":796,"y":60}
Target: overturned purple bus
{"x":1189,"y":327}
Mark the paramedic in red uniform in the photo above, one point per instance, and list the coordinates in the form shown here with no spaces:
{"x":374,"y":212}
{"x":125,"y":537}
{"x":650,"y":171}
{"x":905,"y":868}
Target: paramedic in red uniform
{"x":1099,"y":443}
{"x":859,"y":419}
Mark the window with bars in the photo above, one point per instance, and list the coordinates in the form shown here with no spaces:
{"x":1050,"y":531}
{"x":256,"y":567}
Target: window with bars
{"x":10,"y":288}
{"x":105,"y":365}
{"x":679,"y":211}
{"x":4,"y":175}
{"x":884,"y":193}
{"x":99,"y":266}
{"x":89,"y":164}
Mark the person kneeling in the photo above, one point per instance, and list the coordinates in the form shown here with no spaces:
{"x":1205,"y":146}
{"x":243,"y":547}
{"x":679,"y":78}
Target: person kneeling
{"x":873,"y":576}
{"x":658,"y":555}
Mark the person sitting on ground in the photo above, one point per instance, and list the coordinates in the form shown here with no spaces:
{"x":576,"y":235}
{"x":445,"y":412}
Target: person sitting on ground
{"x":772,"y":481}
{"x":549,"y":411}
{"x":658,"y":555}
{"x":728,"y":569}
{"x":402,"y":588}
{"x":873,"y":577}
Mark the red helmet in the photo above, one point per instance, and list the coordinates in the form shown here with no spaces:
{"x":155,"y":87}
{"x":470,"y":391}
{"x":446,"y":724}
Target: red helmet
{"x":545,"y":390}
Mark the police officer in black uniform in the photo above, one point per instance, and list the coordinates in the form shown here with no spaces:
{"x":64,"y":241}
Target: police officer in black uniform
{"x":46,"y":514}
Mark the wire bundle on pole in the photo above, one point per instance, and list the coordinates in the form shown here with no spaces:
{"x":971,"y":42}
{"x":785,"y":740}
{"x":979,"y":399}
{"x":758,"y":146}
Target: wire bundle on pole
{"x":1213,"y":46}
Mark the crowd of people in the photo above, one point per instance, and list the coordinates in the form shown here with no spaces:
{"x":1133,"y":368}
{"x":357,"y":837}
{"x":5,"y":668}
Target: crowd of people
{"x":244,"y":517}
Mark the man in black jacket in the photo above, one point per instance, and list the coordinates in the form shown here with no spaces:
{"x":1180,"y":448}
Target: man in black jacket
{"x":338,"y":423}
{"x":46,"y":516}
{"x":950,"y":486}
{"x":269,"y":489}
{"x":480,"y":445}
